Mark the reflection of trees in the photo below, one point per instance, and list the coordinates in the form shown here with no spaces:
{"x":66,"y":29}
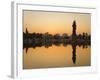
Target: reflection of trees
{"x":50,"y":44}
{"x":47,"y":44}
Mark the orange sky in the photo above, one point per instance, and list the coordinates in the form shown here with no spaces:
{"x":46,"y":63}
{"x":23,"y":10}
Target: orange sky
{"x":55,"y":22}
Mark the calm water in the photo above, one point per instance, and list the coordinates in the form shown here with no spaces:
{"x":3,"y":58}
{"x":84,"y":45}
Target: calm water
{"x":56,"y":56}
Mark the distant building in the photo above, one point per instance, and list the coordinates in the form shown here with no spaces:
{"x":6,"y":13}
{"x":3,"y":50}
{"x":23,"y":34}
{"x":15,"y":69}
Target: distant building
{"x":74,"y":28}
{"x":74,"y":36}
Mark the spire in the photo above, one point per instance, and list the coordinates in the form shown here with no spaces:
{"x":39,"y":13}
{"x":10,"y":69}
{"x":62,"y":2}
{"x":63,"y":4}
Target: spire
{"x":74,"y":23}
{"x":26,"y":31}
{"x":74,"y":28}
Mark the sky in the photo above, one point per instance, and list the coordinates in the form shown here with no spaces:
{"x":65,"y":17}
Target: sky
{"x":55,"y":22}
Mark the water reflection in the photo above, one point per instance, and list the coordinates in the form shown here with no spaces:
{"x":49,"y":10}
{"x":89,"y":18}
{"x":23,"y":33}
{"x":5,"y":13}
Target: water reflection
{"x":74,"y":53}
{"x":50,"y":43}
{"x":59,"y":44}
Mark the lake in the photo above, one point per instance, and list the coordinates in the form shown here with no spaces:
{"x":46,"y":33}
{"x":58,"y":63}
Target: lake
{"x":56,"y":56}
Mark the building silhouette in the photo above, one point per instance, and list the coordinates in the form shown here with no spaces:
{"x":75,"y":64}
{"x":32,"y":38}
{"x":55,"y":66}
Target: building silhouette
{"x":74,"y":28}
{"x":74,"y":36}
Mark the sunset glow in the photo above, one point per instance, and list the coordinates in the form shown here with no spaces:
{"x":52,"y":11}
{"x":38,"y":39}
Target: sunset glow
{"x":56,"y":39}
{"x":55,"y":22}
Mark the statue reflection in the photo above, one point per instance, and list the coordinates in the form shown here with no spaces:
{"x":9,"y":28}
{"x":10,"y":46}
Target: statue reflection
{"x":74,"y":53}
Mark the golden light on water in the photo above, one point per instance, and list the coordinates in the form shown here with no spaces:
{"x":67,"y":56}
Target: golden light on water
{"x":55,"y":57}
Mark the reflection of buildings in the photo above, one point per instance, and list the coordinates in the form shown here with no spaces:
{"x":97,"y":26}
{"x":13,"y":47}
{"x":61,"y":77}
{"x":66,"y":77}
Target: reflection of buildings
{"x":74,"y":53}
